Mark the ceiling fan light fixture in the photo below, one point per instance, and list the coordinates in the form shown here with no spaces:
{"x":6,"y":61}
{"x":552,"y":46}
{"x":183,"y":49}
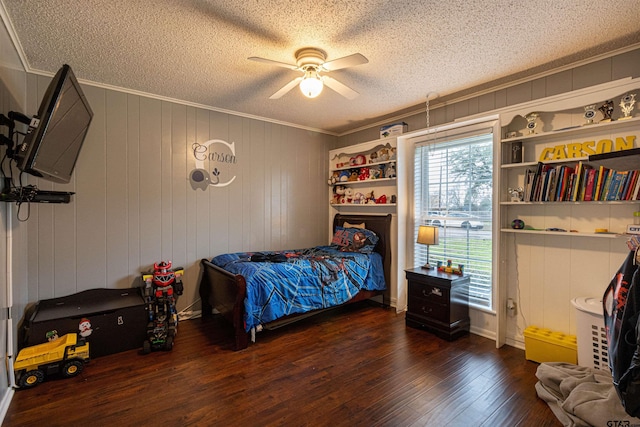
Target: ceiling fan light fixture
{"x":311,"y":62}
{"x":311,"y":85}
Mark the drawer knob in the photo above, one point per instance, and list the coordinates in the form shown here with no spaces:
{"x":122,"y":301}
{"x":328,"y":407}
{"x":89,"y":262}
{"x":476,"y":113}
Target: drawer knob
{"x":427,"y":310}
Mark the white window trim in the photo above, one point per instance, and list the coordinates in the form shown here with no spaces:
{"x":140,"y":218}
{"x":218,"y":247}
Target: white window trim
{"x":451,"y":129}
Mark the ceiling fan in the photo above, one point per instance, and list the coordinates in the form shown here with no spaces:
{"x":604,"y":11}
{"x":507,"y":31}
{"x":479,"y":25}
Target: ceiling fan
{"x":311,"y":61}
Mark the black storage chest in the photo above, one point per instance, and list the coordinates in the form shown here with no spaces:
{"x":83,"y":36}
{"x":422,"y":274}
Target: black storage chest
{"x":111,"y":320}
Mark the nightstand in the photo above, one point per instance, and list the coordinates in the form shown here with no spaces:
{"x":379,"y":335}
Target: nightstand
{"x":438,"y":302}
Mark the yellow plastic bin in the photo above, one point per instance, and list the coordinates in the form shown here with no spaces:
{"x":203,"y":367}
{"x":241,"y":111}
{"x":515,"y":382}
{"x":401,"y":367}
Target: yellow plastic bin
{"x":544,"y":345}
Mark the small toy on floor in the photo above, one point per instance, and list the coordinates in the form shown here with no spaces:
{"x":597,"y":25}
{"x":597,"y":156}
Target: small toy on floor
{"x":66,"y":355}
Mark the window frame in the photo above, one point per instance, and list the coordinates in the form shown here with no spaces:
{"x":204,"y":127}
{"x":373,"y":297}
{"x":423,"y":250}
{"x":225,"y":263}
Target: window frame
{"x":449,"y":131}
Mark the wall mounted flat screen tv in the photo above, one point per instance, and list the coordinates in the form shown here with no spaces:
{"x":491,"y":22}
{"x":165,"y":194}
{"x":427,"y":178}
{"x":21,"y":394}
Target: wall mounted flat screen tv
{"x":55,"y":136}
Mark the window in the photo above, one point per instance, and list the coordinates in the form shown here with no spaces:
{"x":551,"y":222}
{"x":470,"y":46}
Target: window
{"x":454,"y":191}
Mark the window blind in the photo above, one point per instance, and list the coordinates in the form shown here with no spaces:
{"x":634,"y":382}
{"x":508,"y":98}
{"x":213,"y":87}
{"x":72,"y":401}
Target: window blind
{"x":453,"y":191}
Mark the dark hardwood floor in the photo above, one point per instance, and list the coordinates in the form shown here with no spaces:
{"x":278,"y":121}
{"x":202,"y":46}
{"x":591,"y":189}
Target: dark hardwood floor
{"x":358,"y":366}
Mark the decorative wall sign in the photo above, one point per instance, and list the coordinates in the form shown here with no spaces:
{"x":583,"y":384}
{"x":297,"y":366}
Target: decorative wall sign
{"x":583,"y":149}
{"x":215,"y":162}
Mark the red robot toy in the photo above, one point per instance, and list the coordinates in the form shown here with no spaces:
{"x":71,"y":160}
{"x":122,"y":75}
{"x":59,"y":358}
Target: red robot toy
{"x":162,"y":289}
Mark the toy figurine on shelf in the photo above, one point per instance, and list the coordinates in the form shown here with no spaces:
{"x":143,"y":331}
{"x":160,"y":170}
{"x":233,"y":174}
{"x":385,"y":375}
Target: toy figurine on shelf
{"x":449,"y":268}
{"x":364,"y":174}
{"x":162,"y":287}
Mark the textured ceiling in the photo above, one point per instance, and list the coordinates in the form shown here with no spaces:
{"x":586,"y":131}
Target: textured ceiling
{"x":197,"y":50}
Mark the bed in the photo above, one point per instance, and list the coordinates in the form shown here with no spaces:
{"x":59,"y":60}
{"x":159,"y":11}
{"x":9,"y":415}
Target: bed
{"x":251,"y":289}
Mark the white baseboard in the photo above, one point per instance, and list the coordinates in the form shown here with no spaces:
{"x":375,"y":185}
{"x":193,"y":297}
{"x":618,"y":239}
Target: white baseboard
{"x":483,"y":332}
{"x":516,"y":342}
{"x":4,"y":404}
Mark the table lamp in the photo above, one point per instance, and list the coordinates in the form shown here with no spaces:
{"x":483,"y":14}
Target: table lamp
{"x":427,"y":235}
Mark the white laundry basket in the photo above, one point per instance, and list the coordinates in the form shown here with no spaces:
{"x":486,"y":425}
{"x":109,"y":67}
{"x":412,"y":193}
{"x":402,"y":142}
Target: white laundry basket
{"x":593,"y":351}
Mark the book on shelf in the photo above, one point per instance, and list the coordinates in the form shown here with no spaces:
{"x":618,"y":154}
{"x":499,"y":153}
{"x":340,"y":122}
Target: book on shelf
{"x":576,"y":183}
{"x":580,"y":182}
{"x":571,"y":176}
{"x":631,"y":194}
{"x":535,"y":182}
{"x":583,"y":182}
{"x":628,"y":185}
{"x":570,"y":185}
{"x":528,"y":184}
{"x":636,"y":191}
{"x":614,"y":187}
{"x":550,"y":196}
{"x":544,"y":182}
{"x":624,"y":186}
{"x":589,"y":186}
{"x":606,"y":183}
{"x":561,"y":184}
{"x":558,"y":194}
{"x":626,"y":175}
{"x":602,"y":172}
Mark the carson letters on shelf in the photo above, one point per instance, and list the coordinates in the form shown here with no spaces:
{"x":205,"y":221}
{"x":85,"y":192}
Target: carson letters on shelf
{"x":583,"y":149}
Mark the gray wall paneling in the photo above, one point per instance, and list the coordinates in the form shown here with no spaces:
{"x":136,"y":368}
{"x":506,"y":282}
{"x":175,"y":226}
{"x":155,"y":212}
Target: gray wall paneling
{"x":600,"y":71}
{"x":134,"y":204}
{"x":115,"y":192}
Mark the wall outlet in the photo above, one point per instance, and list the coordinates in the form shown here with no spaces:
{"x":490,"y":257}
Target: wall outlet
{"x":511,"y":307}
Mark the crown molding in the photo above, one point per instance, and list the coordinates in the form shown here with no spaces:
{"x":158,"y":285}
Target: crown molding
{"x":435,"y":105}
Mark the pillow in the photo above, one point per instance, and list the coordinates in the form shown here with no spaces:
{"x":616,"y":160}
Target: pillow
{"x":355,"y":240}
{"x":348,"y":225}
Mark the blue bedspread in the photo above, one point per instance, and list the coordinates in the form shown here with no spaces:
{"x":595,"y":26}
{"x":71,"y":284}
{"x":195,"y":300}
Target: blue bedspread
{"x":309,"y":279}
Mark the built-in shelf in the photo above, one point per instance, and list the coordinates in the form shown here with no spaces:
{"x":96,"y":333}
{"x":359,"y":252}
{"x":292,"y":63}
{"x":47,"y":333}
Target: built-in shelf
{"x":365,"y":181}
{"x":578,"y":130}
{"x":566,"y":233}
{"x":546,"y":162}
{"x":364,"y":165}
{"x":582,"y":202}
{"x":362,"y":205}
{"x":377,"y":154}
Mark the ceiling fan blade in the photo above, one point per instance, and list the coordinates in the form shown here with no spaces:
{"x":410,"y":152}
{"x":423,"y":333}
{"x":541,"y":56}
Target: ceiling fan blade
{"x":293,"y":83}
{"x":276,"y":63}
{"x":343,"y":90}
{"x":344,"y":62}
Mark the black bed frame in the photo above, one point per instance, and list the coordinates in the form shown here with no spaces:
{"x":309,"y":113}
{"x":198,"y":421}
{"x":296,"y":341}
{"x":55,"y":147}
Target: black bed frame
{"x":225,"y":292}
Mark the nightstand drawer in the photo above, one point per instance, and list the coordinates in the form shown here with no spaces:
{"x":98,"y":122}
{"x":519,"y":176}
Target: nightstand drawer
{"x":432,"y":293}
{"x":423,"y":308}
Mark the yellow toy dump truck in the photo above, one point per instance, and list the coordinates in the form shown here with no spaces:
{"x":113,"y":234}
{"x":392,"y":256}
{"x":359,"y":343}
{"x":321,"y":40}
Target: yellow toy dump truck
{"x":66,"y":355}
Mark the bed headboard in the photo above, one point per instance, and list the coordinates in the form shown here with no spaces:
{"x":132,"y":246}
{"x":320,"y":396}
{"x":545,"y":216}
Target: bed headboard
{"x":379,"y":224}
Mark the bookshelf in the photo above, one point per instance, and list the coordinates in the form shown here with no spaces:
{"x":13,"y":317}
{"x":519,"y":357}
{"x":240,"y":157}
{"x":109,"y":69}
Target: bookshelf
{"x":558,"y":176}
{"x":384,"y":161}
{"x":363,"y":176}
{"x":540,"y":265}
